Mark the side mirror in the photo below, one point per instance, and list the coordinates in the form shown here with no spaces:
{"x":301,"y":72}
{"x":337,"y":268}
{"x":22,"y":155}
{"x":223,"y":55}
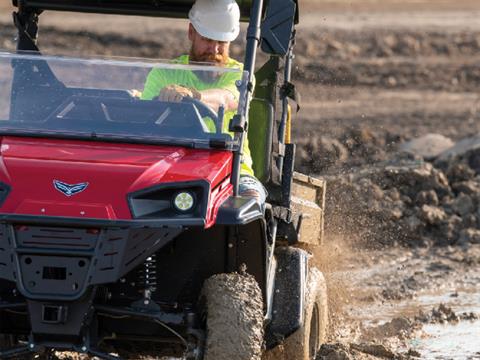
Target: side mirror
{"x":278,"y":26}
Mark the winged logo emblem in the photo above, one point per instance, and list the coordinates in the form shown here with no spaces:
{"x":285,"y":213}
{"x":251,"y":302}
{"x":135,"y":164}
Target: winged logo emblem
{"x":69,"y":190}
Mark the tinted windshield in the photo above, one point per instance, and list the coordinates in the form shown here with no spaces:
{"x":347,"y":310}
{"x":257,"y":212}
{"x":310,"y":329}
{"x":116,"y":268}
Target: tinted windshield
{"x":105,"y":100}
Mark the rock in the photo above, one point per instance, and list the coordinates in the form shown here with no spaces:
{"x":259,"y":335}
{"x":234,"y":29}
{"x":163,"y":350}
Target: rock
{"x":334,"y":352}
{"x":399,"y":328}
{"x":459,"y":172}
{"x":432,"y":215}
{"x":467,"y":149}
{"x":461,"y":148}
{"x":428,"y":146}
{"x":395,"y":213}
{"x":374,"y":349}
{"x":393,"y":194}
{"x":462,"y":205}
{"x":468,"y":187}
{"x":413,"y":178}
{"x":441,"y":315}
{"x":426,"y":197}
{"x":439,"y":266}
{"x":413,"y":223}
{"x":469,"y":221}
{"x":468,"y":316}
{"x":469,"y":236}
{"x":446,"y":203}
{"x":412,"y":353}
{"x":397,"y":294}
{"x":449,"y":230}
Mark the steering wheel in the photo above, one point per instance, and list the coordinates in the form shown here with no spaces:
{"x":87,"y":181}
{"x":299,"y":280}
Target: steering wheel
{"x":205,"y":111}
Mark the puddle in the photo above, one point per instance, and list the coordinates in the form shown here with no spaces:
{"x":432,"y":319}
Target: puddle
{"x":466,"y":301}
{"x":449,"y":341}
{"x":437,"y":341}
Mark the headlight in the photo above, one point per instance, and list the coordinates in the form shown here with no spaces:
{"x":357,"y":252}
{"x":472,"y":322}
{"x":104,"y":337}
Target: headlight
{"x":170,"y":200}
{"x":184,"y":201}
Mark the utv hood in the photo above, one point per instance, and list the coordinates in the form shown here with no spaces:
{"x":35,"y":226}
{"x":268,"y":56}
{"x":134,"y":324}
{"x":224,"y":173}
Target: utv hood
{"x":83,"y":179}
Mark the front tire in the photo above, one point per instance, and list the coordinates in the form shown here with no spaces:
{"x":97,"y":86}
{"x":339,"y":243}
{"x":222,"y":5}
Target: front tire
{"x":234,"y":317}
{"x":305,"y":343}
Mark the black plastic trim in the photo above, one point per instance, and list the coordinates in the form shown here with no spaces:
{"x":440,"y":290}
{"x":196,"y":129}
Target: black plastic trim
{"x":239,"y":211}
{"x":4,"y":191}
{"x":169,"y":8}
{"x":289,"y":295}
{"x":92,"y":258}
{"x":71,"y":221}
{"x":199,"y":212}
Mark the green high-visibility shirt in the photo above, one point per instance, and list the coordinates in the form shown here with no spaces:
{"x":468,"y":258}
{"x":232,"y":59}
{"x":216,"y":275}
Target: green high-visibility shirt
{"x":157,"y":79}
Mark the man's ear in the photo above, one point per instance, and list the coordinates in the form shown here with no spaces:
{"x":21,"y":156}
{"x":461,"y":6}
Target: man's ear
{"x":191,"y":32}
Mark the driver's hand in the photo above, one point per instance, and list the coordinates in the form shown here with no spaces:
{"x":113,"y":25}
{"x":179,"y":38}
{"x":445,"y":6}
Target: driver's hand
{"x":175,"y":93}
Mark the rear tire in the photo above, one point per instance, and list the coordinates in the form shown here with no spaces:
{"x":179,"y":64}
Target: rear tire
{"x":305,"y":343}
{"x":234,"y":317}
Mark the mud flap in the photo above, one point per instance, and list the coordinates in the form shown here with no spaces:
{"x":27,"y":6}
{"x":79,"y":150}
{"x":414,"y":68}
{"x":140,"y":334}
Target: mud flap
{"x":289,"y":294}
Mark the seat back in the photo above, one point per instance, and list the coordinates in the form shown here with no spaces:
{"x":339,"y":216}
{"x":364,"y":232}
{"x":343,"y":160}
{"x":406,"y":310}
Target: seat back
{"x":260,"y":136}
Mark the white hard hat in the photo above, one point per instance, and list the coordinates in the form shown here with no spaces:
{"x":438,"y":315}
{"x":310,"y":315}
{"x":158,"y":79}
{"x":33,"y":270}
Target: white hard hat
{"x":216,"y":19}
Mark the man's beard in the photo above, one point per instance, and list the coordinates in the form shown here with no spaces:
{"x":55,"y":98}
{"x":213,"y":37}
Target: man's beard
{"x":209,"y":76}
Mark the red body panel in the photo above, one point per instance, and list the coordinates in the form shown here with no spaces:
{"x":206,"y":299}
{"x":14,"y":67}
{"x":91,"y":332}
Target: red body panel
{"x":112,"y":170}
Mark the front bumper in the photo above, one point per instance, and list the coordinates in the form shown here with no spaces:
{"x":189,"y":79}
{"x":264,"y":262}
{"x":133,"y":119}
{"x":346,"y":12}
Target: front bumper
{"x":59,"y":259}
{"x":56,"y":264}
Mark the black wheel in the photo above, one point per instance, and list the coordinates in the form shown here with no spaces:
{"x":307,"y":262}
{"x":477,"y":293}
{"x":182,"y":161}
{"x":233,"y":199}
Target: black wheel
{"x":305,"y":343}
{"x":234,"y":318}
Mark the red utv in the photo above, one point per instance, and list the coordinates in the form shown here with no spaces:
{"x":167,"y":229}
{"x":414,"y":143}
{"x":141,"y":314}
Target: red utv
{"x":121,"y":230}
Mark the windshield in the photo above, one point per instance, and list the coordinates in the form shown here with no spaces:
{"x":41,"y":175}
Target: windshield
{"x":108,"y":100}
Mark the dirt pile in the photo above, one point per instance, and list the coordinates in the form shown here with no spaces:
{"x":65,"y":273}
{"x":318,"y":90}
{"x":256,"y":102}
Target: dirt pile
{"x":355,"y":147}
{"x":404,"y":198}
{"x":444,"y":314}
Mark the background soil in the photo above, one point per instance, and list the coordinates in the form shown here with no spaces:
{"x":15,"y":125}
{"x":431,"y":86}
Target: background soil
{"x":373,"y":75}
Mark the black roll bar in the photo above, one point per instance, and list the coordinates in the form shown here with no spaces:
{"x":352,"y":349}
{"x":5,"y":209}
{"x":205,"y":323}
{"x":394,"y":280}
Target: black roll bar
{"x":239,"y":122}
{"x":26,"y":22}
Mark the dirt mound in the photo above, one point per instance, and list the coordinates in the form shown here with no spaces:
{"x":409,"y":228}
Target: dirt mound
{"x":444,"y":314}
{"x":388,"y":197}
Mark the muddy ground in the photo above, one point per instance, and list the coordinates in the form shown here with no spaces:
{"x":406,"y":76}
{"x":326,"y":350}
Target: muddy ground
{"x":402,"y":255}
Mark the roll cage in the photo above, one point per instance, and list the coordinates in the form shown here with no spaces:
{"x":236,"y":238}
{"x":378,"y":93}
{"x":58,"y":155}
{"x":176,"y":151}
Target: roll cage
{"x":271,"y":26}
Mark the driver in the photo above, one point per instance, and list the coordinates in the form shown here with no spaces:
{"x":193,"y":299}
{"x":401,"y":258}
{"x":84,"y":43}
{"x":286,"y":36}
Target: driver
{"x":213,"y":25}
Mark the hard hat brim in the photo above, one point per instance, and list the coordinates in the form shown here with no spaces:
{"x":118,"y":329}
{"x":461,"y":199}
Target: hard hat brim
{"x":217,"y":36}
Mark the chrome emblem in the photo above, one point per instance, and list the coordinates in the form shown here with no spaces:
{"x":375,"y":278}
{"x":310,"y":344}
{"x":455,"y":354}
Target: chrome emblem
{"x":69,"y":190}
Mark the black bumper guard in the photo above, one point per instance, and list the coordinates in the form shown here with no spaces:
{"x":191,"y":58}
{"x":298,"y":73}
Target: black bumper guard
{"x":59,"y":263}
{"x":153,"y":314}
